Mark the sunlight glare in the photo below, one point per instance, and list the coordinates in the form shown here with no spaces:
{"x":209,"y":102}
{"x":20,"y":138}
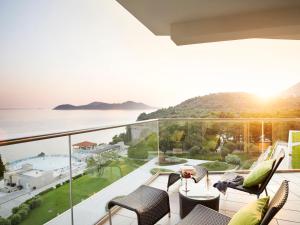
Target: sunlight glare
{"x":267,"y":93}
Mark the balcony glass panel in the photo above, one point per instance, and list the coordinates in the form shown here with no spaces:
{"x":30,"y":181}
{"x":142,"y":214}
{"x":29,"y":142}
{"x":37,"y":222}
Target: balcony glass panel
{"x":30,"y":192}
{"x":113,"y":163}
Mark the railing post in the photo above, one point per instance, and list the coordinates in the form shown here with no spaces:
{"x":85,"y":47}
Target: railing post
{"x":246,"y":136}
{"x":157,"y":136}
{"x":70,"y":178}
{"x":262,"y":136}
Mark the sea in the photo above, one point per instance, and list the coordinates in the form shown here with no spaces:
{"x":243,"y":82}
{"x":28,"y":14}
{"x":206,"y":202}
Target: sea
{"x":16,"y":123}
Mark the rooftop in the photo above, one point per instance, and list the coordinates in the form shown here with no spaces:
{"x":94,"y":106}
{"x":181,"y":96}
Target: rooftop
{"x":33,"y":173}
{"x":85,"y":144}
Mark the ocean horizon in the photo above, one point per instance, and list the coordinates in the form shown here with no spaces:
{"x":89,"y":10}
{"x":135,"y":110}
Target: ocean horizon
{"x":16,"y":123}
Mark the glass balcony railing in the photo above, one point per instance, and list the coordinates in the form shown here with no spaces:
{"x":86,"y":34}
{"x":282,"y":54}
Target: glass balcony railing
{"x":68,"y":177}
{"x":227,"y":144}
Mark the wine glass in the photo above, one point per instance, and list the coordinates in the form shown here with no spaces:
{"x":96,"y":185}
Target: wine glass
{"x":186,"y":175}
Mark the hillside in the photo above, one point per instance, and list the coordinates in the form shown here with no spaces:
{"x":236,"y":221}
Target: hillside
{"x":236,"y":104}
{"x":129,"y":105}
{"x":293,"y":91}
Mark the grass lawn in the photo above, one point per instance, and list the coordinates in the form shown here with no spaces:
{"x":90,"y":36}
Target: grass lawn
{"x":217,"y":166}
{"x":295,"y":137}
{"x":57,"y":201}
{"x":170,"y":163}
{"x":212,"y":156}
{"x":296,"y":157}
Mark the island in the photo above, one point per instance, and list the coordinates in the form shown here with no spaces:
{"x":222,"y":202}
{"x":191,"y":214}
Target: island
{"x":129,"y":105}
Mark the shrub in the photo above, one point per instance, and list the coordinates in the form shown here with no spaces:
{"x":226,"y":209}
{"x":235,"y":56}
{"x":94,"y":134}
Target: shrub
{"x":47,"y":190}
{"x":137,"y":153}
{"x":77,"y":176}
{"x":224,"y":152}
{"x":4,"y":221}
{"x":15,"y":210}
{"x":217,"y":166}
{"x":230,"y":146}
{"x":194,"y":150}
{"x":25,"y":207}
{"x":23,"y":213}
{"x":211,"y":145}
{"x":247,"y":164}
{"x":233,"y":159}
{"x":253,"y":148}
{"x":204,"y":151}
{"x":35,"y":202}
{"x":15,"y":219}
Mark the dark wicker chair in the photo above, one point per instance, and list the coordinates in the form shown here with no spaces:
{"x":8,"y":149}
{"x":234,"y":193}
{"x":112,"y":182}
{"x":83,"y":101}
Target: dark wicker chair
{"x":200,"y":173}
{"x":172,"y":179}
{"x":257,"y":190}
{"x":202,"y":215}
{"x":149,"y":203}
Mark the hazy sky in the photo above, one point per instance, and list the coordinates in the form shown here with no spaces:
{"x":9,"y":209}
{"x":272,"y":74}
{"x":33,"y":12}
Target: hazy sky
{"x":71,"y":51}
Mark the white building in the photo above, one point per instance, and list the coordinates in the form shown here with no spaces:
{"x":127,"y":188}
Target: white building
{"x":28,"y":178}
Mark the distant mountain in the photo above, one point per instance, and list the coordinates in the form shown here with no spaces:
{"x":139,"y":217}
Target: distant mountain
{"x":129,"y":105}
{"x":229,"y":105}
{"x":293,"y":91}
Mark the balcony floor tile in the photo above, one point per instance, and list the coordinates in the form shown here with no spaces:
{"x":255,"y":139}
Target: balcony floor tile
{"x":229,"y":204}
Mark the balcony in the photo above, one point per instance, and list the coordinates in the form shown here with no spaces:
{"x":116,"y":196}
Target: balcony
{"x":112,"y":161}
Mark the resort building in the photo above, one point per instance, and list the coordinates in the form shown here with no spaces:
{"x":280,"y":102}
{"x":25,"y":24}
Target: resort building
{"x":28,"y":178}
{"x":85,"y":145}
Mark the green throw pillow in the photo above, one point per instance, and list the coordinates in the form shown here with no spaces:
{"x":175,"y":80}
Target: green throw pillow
{"x":252,"y":213}
{"x":258,"y":174}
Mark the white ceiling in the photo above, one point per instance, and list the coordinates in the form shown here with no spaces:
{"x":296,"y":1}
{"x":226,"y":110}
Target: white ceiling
{"x":163,"y":16}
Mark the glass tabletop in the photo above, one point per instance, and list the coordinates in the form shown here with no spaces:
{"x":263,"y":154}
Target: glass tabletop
{"x":198,"y":191}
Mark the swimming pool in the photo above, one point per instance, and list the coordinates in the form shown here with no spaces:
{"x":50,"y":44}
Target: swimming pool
{"x":46,"y":163}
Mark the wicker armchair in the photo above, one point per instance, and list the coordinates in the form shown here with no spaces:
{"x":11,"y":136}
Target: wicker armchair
{"x":257,"y":190}
{"x":202,"y":215}
{"x":200,"y":173}
{"x":150,"y":204}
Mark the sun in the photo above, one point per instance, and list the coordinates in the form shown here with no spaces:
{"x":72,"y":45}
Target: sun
{"x":266,"y":94}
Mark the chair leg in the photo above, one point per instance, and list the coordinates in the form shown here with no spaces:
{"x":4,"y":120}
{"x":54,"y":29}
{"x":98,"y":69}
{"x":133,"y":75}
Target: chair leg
{"x":266,"y":191}
{"x":109,"y":214}
{"x":169,"y":214}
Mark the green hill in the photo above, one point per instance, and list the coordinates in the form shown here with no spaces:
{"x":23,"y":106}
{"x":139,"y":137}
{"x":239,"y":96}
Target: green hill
{"x":229,"y":105}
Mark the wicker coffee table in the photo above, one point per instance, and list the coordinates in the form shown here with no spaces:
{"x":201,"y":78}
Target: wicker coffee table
{"x":197,"y":194}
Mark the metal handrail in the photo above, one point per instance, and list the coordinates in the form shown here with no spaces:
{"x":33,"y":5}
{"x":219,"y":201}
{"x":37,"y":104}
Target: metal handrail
{"x":233,"y":119}
{"x":67,"y":133}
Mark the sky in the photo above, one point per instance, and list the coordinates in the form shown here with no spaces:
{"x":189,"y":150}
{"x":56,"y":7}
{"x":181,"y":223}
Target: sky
{"x":73,"y":51}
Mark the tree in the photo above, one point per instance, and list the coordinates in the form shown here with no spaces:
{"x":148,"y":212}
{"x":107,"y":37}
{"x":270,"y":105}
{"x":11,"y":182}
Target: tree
{"x":101,"y":160}
{"x":122,"y":137}
{"x":2,"y":167}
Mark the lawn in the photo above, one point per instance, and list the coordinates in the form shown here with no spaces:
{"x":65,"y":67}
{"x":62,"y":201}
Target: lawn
{"x":211,"y":156}
{"x":217,"y":166}
{"x":56,"y":201}
{"x":172,"y":161}
{"x":296,"y":157}
{"x":295,"y":137}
